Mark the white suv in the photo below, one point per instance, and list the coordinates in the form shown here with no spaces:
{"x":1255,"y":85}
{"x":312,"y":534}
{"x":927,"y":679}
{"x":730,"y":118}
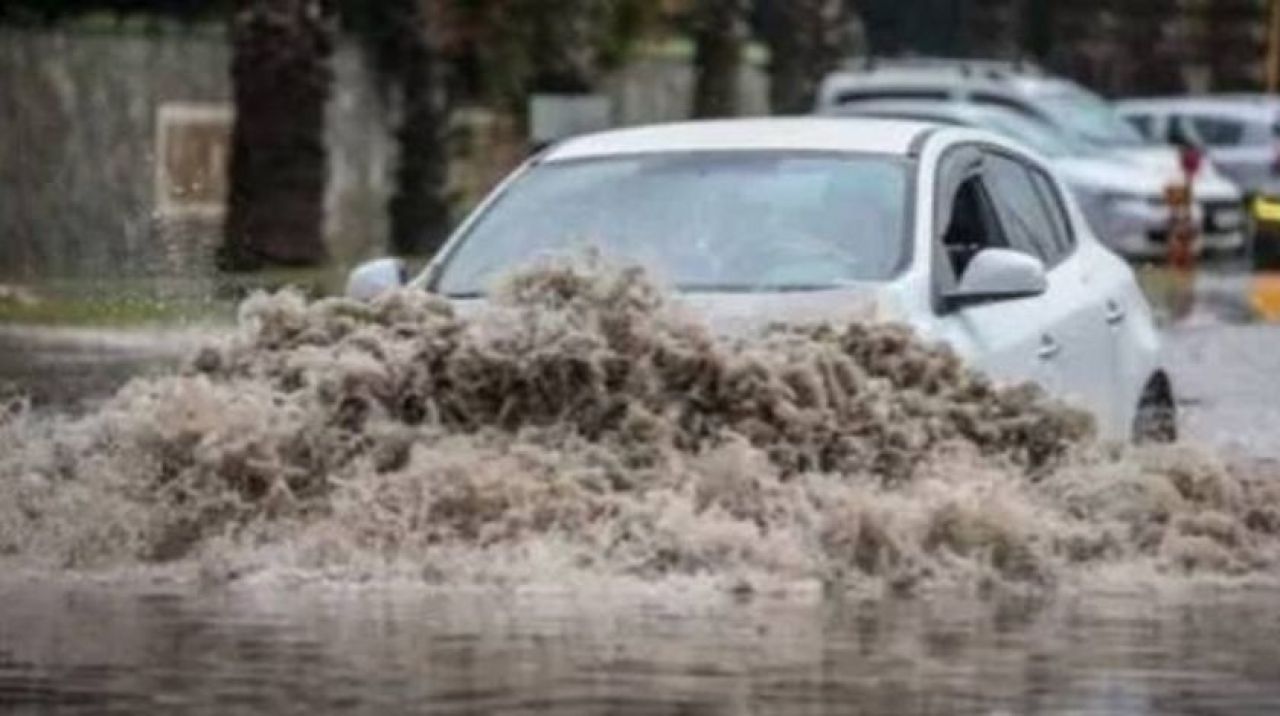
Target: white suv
{"x":958,"y":232}
{"x":1073,"y":110}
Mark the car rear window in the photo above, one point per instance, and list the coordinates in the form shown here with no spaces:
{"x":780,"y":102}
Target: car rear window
{"x":863,"y":95}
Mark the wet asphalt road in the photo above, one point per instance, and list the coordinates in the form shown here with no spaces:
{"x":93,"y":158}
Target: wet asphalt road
{"x":1227,"y":379}
{"x":73,"y":368}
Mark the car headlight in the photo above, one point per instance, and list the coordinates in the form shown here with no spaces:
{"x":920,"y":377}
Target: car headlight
{"x":1113,"y":215}
{"x":1267,"y":208}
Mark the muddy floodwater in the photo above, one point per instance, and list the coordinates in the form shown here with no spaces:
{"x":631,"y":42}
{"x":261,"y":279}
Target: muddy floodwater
{"x":92,"y":650}
{"x":583,"y":501}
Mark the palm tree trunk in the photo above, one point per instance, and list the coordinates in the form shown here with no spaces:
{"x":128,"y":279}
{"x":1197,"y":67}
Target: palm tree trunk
{"x":419,"y":208}
{"x":282,"y":79}
{"x":719,"y":35}
{"x":807,"y":39}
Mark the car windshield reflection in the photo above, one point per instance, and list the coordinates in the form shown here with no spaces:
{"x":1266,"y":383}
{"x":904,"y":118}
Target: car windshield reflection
{"x":745,"y":221}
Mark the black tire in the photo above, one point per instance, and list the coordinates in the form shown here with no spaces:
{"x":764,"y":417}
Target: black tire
{"x":1266,"y":248}
{"x":1157,"y":417}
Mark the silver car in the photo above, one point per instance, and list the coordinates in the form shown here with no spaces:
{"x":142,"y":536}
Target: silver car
{"x":1124,"y":201}
{"x":1241,"y":134}
{"x":1089,"y":125}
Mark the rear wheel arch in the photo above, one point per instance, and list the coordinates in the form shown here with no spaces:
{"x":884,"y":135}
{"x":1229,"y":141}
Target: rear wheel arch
{"x":1156,"y":418}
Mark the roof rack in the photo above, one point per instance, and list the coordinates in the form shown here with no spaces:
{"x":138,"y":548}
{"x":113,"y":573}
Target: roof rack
{"x":981,"y":68}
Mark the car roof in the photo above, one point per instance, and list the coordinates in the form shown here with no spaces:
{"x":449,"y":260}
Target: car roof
{"x":871,"y":136}
{"x":946,"y":81}
{"x":1237,"y":107}
{"x":947,"y":111}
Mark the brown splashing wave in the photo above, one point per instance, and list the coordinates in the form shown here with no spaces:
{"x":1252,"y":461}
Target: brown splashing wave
{"x":582,"y":424}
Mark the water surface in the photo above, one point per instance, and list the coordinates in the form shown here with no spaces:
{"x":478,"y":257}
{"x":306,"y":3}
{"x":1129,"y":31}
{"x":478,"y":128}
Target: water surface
{"x":93,"y":649}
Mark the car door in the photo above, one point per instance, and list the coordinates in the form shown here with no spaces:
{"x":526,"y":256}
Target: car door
{"x":1008,"y":339}
{"x":1077,"y":310}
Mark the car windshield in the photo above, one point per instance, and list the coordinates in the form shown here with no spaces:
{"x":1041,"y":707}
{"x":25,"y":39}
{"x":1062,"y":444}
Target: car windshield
{"x":1090,"y":117}
{"x":704,"y":221}
{"x":1041,"y":137}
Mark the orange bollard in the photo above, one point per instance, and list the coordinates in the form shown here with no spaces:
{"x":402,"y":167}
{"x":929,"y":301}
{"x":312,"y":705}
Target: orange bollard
{"x":1181,"y":257}
{"x":1264,"y":296}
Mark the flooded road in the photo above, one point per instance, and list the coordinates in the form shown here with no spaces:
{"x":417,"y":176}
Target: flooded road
{"x":231,"y":643}
{"x":93,"y":651}
{"x":73,"y":368}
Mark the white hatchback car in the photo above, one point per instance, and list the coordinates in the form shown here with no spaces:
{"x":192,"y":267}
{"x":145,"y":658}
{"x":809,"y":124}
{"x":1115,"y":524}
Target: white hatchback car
{"x":958,"y":232}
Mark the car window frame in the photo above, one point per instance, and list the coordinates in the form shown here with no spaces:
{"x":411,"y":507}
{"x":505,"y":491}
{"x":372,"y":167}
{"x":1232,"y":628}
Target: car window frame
{"x":956,"y":165}
{"x":1056,"y":205}
{"x":1054,"y":258}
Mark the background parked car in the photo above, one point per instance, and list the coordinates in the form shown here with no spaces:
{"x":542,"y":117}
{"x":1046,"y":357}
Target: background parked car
{"x":1240,"y":135}
{"x":1123,"y":200}
{"x":1090,"y":129}
{"x":1022,"y":87}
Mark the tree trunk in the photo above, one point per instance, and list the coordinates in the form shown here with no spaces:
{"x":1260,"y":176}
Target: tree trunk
{"x":719,"y":34}
{"x":419,"y":208}
{"x":282,"y":79}
{"x":564,"y":58}
{"x":807,"y":39}
{"x":992,"y":29}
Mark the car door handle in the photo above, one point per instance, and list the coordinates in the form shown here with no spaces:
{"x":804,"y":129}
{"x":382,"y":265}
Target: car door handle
{"x":1049,"y":347}
{"x":1115,"y":313}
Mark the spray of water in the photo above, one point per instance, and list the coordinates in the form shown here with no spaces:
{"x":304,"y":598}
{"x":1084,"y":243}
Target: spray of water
{"x":581,"y":424}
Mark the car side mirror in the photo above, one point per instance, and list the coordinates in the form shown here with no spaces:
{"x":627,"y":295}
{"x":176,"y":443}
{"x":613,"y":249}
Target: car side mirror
{"x":374,"y":278}
{"x":999,"y":275}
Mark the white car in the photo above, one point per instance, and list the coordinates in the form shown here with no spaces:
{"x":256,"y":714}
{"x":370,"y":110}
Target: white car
{"x":1124,"y":200}
{"x":1240,"y":134}
{"x":959,"y":232}
{"x":1072,"y":110}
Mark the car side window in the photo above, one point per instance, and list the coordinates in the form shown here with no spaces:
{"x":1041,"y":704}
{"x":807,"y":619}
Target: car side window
{"x":973,"y":225}
{"x":995,"y":100}
{"x":1217,"y":131}
{"x":1142,"y":123}
{"x":1057,"y":211}
{"x":868,"y":95}
{"x":1026,"y":219}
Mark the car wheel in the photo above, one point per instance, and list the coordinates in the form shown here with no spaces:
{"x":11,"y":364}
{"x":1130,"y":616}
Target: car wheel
{"x":1157,"y":417}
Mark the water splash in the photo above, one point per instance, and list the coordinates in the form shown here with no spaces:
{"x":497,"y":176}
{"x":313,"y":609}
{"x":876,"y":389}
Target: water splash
{"x":580,"y":425}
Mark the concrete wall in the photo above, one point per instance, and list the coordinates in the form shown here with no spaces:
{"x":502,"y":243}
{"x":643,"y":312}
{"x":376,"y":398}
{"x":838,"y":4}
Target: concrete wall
{"x":80,"y":142}
{"x":112,"y":149}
